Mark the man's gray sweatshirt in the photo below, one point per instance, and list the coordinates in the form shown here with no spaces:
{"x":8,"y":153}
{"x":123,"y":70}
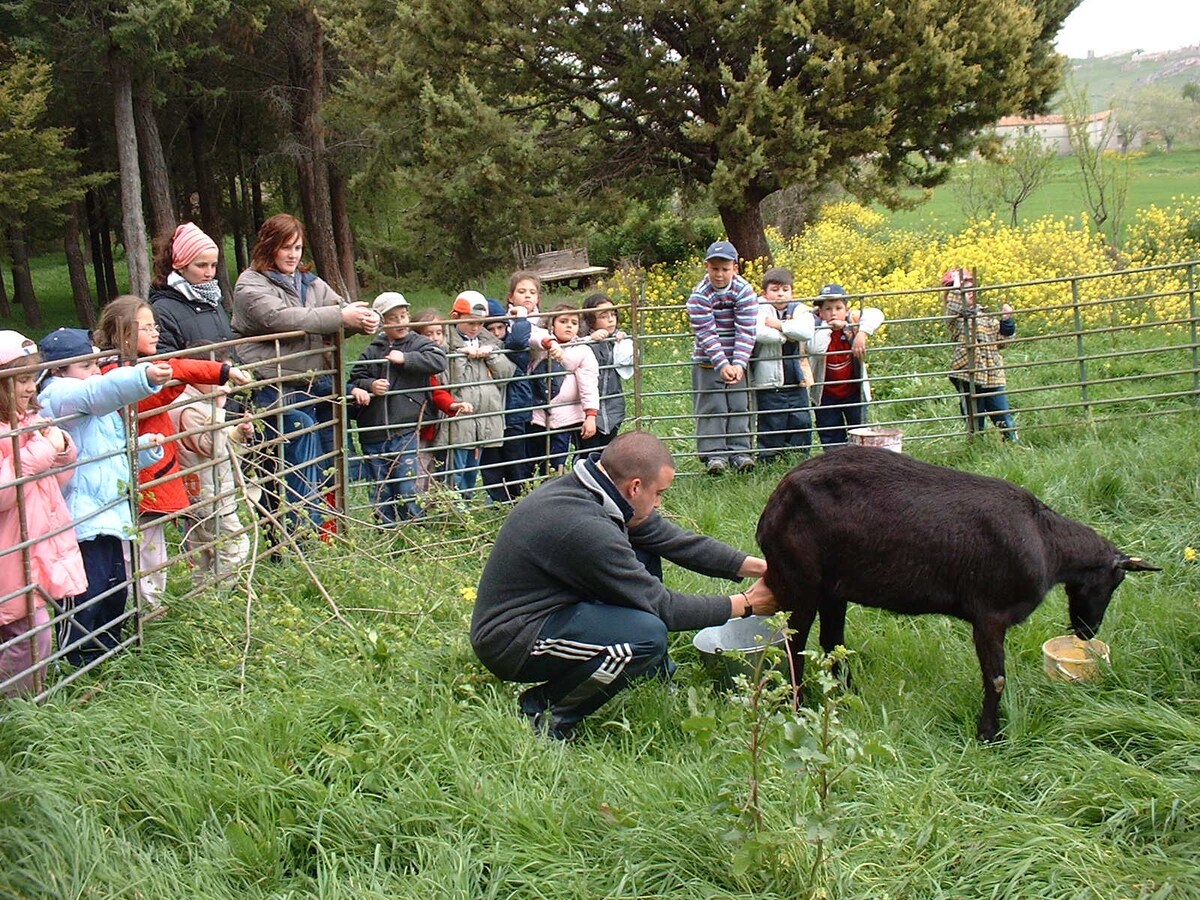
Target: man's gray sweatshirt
{"x":568,"y":543}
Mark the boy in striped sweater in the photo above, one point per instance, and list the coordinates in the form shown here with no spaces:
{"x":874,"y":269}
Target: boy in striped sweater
{"x":723,"y":311}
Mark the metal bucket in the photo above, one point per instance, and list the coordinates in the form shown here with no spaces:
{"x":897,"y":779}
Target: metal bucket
{"x":1068,"y":658}
{"x":887,"y":438}
{"x":749,"y":637}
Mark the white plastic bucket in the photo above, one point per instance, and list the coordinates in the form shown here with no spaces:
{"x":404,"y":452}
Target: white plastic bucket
{"x":1070,"y":659}
{"x":886,"y":438}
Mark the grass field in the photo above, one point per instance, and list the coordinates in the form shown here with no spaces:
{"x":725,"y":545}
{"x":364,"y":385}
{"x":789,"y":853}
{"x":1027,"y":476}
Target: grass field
{"x":1155,"y":179}
{"x":261,"y":749}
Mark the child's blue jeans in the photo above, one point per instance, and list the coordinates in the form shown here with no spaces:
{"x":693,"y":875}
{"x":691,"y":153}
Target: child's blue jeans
{"x":988,"y":402}
{"x":835,"y":417}
{"x":392,"y":470}
{"x":307,"y":456}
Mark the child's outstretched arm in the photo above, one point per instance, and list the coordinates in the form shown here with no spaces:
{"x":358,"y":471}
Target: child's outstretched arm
{"x":102,"y":394}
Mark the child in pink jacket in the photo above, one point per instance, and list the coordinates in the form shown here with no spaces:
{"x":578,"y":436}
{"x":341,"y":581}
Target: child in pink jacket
{"x":566,"y":390}
{"x":33,"y":447}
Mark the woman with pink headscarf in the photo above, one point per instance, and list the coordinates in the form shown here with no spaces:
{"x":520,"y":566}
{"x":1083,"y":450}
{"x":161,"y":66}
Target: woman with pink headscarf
{"x":185,"y":293}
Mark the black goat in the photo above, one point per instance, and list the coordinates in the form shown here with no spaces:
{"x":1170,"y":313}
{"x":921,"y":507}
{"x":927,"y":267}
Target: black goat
{"x":869,"y":526}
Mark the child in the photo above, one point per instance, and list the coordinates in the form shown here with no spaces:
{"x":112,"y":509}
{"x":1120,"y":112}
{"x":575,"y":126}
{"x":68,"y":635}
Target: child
{"x":614,"y":355}
{"x":523,"y":302}
{"x":567,"y":391}
{"x":88,"y":404}
{"x":127,"y":326}
{"x":391,"y":381}
{"x":431,"y":456}
{"x":478,"y":370}
{"x":507,"y":468}
{"x":839,"y":347}
{"x":31,"y":447}
{"x":977,"y":370}
{"x":214,"y":525}
{"x":722,"y":310}
{"x":779,"y":370}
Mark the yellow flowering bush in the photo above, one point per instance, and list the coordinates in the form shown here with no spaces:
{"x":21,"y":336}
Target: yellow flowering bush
{"x":901,"y":270}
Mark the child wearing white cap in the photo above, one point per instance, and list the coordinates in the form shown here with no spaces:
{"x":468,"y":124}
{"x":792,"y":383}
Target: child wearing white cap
{"x":390,"y":384}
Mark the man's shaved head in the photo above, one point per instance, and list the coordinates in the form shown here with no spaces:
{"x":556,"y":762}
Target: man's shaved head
{"x":635,"y":454}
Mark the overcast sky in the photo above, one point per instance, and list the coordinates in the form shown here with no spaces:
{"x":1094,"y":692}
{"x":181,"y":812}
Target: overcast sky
{"x":1110,"y":26}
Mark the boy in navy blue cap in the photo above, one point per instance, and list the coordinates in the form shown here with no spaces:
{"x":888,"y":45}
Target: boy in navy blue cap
{"x":838,"y":350}
{"x":723,"y":312}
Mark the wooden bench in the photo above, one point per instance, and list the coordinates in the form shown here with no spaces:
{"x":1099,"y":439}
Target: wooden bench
{"x":555,"y":266}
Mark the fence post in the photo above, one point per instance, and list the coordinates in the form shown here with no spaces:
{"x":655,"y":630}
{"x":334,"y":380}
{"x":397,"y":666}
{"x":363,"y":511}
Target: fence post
{"x":972,"y":399}
{"x":340,"y":423}
{"x":1195,"y":351}
{"x":134,"y":575}
{"x":1079,"y":349}
{"x":635,"y":297}
{"x":26,"y":563}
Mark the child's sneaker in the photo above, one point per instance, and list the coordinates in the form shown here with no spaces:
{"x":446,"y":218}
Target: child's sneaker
{"x":743,"y":463}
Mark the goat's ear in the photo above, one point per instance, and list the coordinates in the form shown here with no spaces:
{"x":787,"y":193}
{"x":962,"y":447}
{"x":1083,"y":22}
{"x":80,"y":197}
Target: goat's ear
{"x":1134,"y":564}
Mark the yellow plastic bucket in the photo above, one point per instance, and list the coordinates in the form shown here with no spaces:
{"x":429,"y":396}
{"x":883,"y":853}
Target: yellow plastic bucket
{"x":1070,"y":659}
{"x":887,"y":438}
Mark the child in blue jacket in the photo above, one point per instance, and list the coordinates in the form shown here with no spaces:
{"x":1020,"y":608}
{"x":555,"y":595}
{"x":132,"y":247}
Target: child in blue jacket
{"x":87,"y":406}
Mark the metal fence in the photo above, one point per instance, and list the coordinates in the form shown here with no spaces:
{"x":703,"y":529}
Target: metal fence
{"x":1087,"y":350}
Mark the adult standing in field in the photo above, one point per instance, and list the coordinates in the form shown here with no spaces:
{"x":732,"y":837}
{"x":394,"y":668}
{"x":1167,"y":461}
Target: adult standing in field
{"x":185,"y":294}
{"x":279,"y":294}
{"x":565,"y":601}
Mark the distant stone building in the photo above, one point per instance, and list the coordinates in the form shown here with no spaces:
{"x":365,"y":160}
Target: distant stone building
{"x":1053,"y":130}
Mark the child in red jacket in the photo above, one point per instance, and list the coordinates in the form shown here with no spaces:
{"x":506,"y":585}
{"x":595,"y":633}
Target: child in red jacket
{"x":431,"y":457}
{"x":127,"y":325}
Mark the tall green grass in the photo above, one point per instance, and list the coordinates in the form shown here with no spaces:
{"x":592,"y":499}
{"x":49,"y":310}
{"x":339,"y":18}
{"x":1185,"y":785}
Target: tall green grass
{"x":383,"y":761}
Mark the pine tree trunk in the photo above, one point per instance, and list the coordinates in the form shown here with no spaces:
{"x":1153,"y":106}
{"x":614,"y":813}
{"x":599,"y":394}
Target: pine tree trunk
{"x":206,"y":193}
{"x":22,"y":282}
{"x":744,"y":228}
{"x":256,"y":208}
{"x":85,"y":309}
{"x":235,"y":223}
{"x":306,"y":63}
{"x":154,"y":161}
{"x":342,"y":234}
{"x":5,"y":309}
{"x":92,"y":214}
{"x":106,"y":248}
{"x":133,"y":221}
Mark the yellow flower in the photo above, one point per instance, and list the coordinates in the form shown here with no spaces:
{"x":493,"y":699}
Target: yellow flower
{"x":468,"y":594}
{"x":1189,"y":554}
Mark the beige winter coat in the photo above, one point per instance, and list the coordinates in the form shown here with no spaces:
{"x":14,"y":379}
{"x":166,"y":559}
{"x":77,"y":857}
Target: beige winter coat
{"x":262,"y":306}
{"x":479,"y":382}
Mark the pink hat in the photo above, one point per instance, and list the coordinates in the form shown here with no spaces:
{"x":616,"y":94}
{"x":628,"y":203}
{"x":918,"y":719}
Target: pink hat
{"x":187,"y":243}
{"x":14,"y":345}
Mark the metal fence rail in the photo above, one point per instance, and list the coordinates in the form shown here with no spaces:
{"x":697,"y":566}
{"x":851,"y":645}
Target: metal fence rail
{"x":1088,"y":350}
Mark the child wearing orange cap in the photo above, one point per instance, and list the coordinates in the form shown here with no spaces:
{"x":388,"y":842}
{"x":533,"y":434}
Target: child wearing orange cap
{"x":478,"y":369}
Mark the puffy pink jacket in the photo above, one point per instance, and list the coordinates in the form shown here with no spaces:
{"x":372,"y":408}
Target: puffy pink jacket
{"x":55,"y":563}
{"x":580,"y":391}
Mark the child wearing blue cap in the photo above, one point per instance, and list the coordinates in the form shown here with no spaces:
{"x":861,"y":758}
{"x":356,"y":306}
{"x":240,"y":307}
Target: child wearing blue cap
{"x":86,"y":405}
{"x":723,"y":313}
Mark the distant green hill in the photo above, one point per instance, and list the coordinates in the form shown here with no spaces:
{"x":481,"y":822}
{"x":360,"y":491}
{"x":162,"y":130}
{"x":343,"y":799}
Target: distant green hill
{"x":1106,"y":77}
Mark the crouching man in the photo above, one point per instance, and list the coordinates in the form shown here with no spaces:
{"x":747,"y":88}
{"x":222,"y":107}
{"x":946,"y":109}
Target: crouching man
{"x":566,"y":600}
